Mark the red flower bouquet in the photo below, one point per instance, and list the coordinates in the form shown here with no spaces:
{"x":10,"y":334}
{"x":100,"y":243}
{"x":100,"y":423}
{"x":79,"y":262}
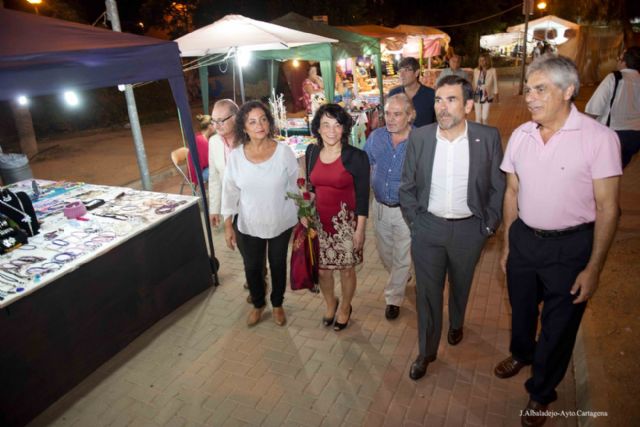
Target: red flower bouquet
{"x":305,"y":247}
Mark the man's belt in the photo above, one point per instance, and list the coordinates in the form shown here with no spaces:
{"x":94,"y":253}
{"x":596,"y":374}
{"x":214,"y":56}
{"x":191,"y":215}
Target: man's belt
{"x":458,"y":219}
{"x":390,"y":205}
{"x":545,"y":234}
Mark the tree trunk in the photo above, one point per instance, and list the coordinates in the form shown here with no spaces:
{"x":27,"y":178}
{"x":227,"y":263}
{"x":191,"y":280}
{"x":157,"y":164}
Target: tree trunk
{"x":24,"y":125}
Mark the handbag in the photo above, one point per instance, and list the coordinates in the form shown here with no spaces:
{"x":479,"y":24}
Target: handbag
{"x":11,"y":236}
{"x":305,"y":250}
{"x":19,"y":208}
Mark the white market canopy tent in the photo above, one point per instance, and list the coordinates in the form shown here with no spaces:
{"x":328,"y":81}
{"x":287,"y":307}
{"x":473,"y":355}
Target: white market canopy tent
{"x":496,"y":41}
{"x":237,"y":31}
{"x":432,"y":39}
{"x":235,"y":35}
{"x":550,"y":27}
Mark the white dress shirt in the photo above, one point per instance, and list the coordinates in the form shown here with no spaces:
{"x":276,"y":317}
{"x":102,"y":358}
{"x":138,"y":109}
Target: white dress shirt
{"x":450,"y":177}
{"x":257,"y":192}
{"x":625,"y":112}
{"x":217,"y":163}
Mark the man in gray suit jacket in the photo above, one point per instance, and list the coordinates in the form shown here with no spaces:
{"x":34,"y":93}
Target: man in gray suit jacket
{"x":451,"y":198}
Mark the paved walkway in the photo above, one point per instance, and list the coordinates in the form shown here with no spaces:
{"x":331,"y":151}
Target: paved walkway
{"x":202,"y":366}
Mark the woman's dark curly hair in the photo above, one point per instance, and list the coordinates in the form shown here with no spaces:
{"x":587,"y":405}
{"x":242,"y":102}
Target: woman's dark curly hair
{"x":335,"y":112}
{"x":241,"y":118}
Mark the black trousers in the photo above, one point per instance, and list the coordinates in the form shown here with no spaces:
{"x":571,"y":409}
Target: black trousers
{"x":253,"y":256}
{"x":629,"y":144}
{"x":544,"y":270}
{"x":440,"y":247}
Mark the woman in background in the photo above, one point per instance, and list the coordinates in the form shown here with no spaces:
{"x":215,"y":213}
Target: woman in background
{"x":202,"y":144}
{"x":485,"y":87}
{"x":339,"y":176}
{"x":312,"y":84}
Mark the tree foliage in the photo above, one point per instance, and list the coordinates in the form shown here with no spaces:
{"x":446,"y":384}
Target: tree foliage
{"x":176,"y":18}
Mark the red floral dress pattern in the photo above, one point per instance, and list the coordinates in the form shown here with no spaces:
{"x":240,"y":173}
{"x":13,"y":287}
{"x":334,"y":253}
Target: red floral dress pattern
{"x":335,"y":202}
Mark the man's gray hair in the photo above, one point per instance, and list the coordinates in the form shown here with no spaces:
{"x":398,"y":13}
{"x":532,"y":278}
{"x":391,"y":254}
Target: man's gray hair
{"x":232,"y":106}
{"x":409,"y":109}
{"x":561,"y":70}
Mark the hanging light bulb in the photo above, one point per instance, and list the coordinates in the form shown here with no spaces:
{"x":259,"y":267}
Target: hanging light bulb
{"x":244,"y":57}
{"x":71,"y":98}
{"x":23,"y":100}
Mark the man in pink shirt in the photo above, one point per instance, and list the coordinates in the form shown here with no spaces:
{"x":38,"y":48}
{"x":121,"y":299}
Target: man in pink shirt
{"x":560,"y":214}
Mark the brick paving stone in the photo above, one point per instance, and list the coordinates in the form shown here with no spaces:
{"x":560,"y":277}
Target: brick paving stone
{"x":394,"y":415}
{"x":175,"y":422}
{"x":168,"y":411}
{"x":222,"y":412}
{"x":304,"y":417}
{"x":276,"y":415}
{"x":417,"y":409}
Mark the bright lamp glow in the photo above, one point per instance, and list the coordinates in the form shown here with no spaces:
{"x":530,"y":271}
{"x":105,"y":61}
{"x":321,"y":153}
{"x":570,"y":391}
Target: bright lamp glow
{"x":541,"y":5}
{"x":296,"y":63}
{"x":34,"y":1}
{"x":121,"y":88}
{"x":244,"y":56}
{"x":71,"y":98}
{"x":23,"y":100}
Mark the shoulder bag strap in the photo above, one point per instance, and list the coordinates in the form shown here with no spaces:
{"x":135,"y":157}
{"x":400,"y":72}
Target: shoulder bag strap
{"x":618,"y":75}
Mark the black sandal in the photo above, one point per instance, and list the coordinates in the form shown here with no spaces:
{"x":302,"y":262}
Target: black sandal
{"x":328,"y":321}
{"x":337,"y":326}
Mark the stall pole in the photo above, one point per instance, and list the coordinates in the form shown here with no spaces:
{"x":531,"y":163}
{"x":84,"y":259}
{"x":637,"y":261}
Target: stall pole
{"x":240,"y":79}
{"x":527,"y":7}
{"x":138,"y":142}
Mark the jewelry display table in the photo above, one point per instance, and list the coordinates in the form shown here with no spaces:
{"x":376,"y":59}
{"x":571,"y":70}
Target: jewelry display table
{"x":82,"y":289}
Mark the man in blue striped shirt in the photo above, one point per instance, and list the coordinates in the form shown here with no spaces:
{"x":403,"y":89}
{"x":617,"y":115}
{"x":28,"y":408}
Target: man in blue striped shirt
{"x":386,"y":147}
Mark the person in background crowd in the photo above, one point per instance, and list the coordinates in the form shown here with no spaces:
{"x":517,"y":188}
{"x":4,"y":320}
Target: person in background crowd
{"x":485,"y":88}
{"x":339,"y":176}
{"x":312,"y":84}
{"x":386,"y":149}
{"x":560,"y":215}
{"x":255,"y":184}
{"x":220,"y":146}
{"x":451,"y":198}
{"x":616,"y":103}
{"x":421,"y":96}
{"x":202,"y":144}
{"x":453,"y":70}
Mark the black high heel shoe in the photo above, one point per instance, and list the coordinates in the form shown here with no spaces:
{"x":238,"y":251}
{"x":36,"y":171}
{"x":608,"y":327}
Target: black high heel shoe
{"x":328,"y":321}
{"x":337,"y":326}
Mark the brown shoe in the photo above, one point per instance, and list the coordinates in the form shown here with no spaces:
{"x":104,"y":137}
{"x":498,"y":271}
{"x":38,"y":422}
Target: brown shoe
{"x":508,"y":367}
{"x":278,"y":316}
{"x":249,"y":299}
{"x":255,"y":315}
{"x":534,"y":415}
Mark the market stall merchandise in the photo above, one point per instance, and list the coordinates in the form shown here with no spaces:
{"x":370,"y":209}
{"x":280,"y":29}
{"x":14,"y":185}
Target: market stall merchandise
{"x":42,"y":56}
{"x":107,"y":264}
{"x":348,"y":45}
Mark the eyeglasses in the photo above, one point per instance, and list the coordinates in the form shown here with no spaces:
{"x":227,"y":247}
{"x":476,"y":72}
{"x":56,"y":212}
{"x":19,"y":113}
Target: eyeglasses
{"x":538,"y":91}
{"x":220,"y":121}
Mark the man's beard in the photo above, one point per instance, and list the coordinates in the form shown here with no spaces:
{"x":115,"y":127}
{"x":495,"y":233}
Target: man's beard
{"x":454,"y":121}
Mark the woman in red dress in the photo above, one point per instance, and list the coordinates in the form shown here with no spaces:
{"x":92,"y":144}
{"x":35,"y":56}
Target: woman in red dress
{"x":339,"y":175}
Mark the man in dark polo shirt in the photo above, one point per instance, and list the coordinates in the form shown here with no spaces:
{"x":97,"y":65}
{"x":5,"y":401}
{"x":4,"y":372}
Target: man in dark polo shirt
{"x":423,"y":97}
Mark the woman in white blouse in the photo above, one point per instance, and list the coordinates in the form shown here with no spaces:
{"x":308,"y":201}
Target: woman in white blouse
{"x":485,"y":87}
{"x":256,"y":180}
